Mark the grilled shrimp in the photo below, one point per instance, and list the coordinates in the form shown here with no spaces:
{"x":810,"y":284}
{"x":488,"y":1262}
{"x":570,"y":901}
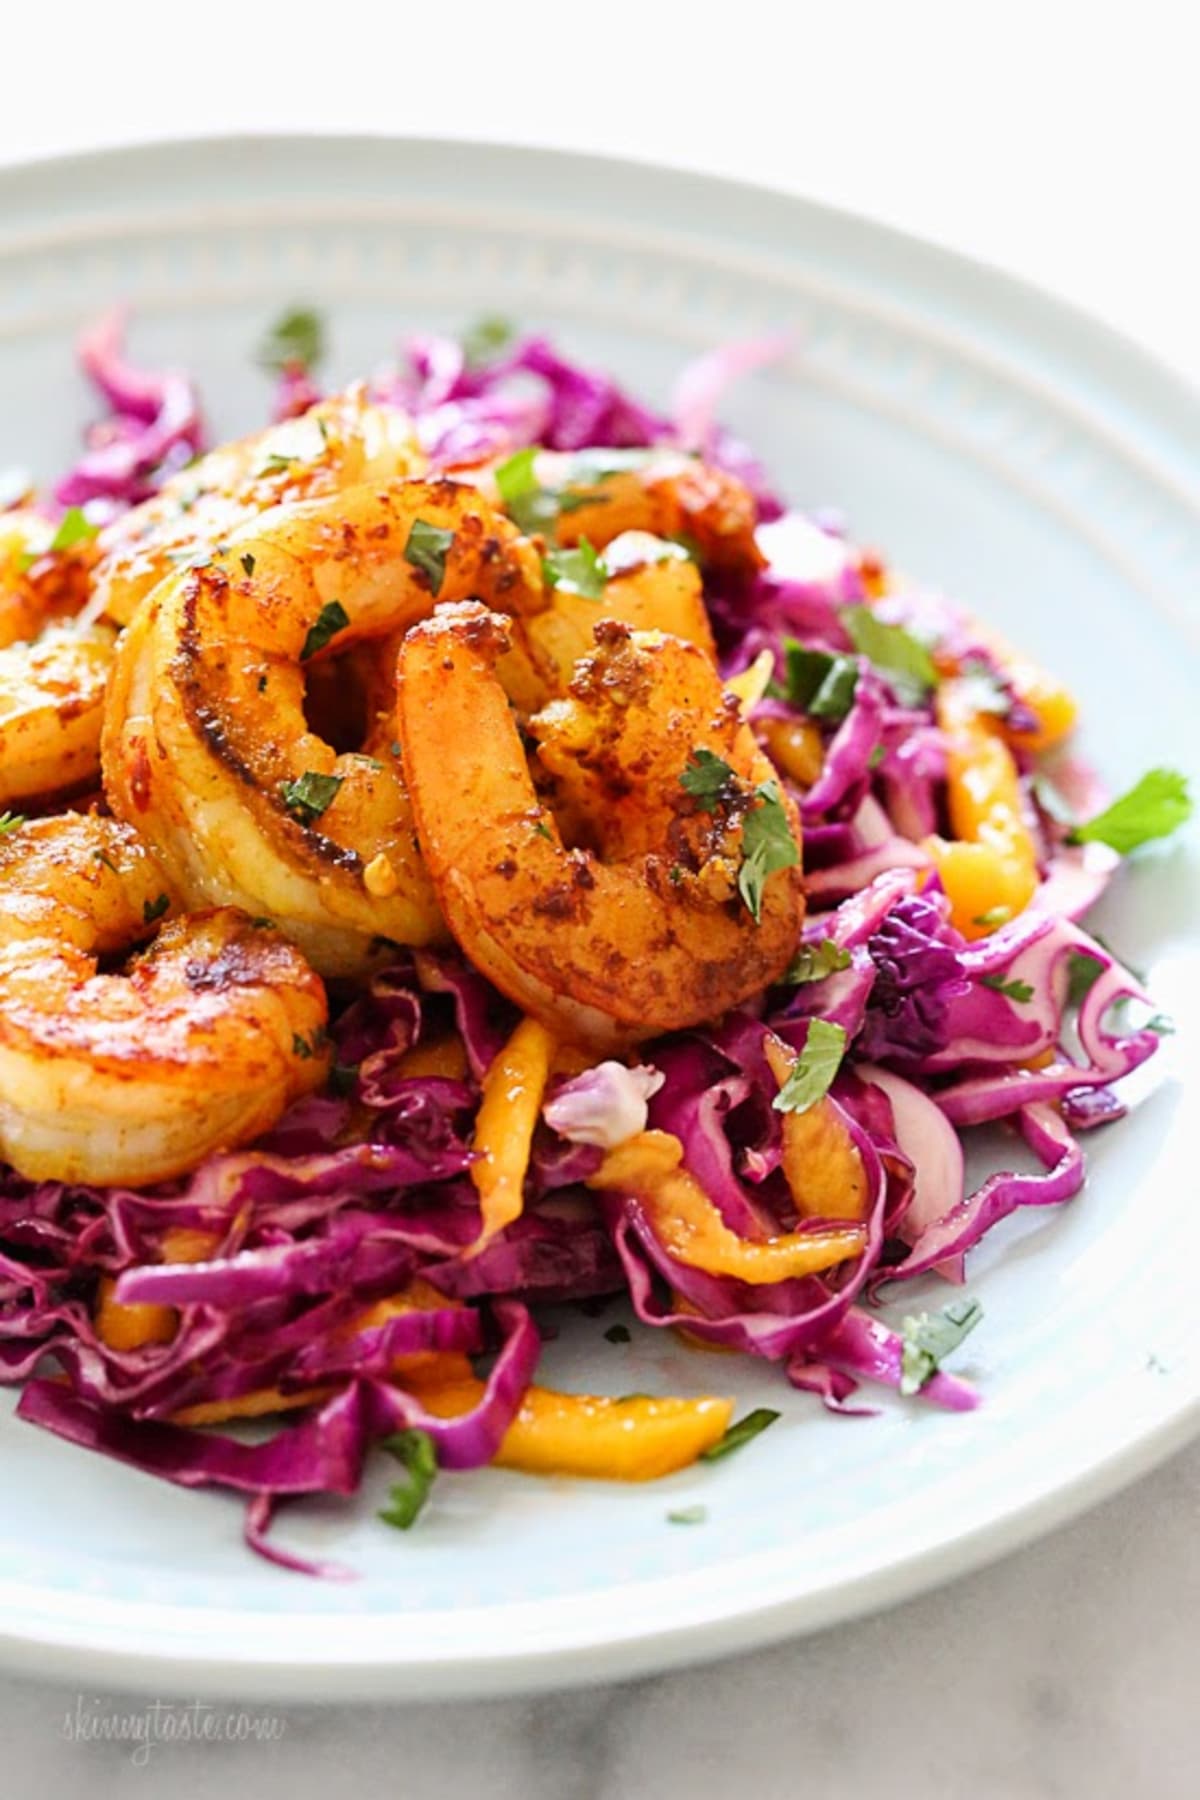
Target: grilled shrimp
{"x":37,"y":584}
{"x":207,"y":750}
{"x":604,"y":493}
{"x":197,"y":1046}
{"x":51,"y":711}
{"x":652,"y":585}
{"x":337,"y":444}
{"x":613,"y":914}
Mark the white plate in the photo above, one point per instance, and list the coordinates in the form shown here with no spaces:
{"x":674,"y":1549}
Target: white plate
{"x":991,"y":441}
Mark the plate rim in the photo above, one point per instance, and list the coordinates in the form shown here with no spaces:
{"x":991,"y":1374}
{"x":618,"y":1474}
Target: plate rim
{"x":87,"y":1645}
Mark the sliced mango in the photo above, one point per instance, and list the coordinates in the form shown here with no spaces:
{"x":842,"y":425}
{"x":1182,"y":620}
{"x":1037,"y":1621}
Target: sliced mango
{"x":513,"y":1089}
{"x":634,"y":1439}
{"x":690,"y":1227}
{"x":823,"y":1169}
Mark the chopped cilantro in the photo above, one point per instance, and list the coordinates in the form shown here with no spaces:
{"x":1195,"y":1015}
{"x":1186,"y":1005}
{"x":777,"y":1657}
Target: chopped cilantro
{"x":820,"y":684}
{"x":73,"y":528}
{"x":815,"y":1067}
{"x":1019,"y":991}
{"x":154,"y":909}
{"x":307,"y":797}
{"x":415,"y":1449}
{"x":482,"y":339}
{"x":343,"y":1079}
{"x":10,"y":822}
{"x":530,"y":507}
{"x":995,"y":915}
{"x":296,"y":338}
{"x":900,"y":657}
{"x":739,"y":1433}
{"x":1083,"y":972}
{"x":767,"y":846}
{"x":275,"y":460}
{"x":331,"y":619}
{"x":687,"y":1515}
{"x":813,"y":962}
{"x":542,"y":830}
{"x":579,"y":571}
{"x":247,"y":562}
{"x":1153,"y":808}
{"x":708,"y":778}
{"x":426,"y":550}
{"x":101,"y":856}
{"x":929,"y":1339}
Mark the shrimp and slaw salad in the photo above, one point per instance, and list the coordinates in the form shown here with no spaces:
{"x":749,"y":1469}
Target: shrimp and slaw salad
{"x":470,"y":849}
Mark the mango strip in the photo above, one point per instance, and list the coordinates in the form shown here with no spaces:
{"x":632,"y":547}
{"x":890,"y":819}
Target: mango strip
{"x":124,"y":1326}
{"x":634,"y":1439}
{"x":823,"y":1169}
{"x":689,"y":1226}
{"x":990,"y":872}
{"x":508,"y":1114}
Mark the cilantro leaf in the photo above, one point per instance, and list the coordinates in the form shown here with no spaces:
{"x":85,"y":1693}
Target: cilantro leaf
{"x":995,"y":915}
{"x":815,"y":1068}
{"x":1083,"y":972}
{"x":331,"y":619}
{"x":307,"y":797}
{"x":929,"y":1339}
{"x":739,"y":1433}
{"x":767,"y":846}
{"x":415,"y":1449}
{"x":813,"y":962}
{"x":580,"y":571}
{"x":247,"y":561}
{"x":1153,"y":808}
{"x":482,"y":339}
{"x":820,"y":684}
{"x":902,"y":659}
{"x":10,"y":822}
{"x":343,"y":1079}
{"x":1012,"y":990}
{"x":154,"y":909}
{"x":708,"y":778}
{"x":73,"y":528}
{"x":687,"y":1515}
{"x":296,"y":337}
{"x":426,"y":550}
{"x":531,"y":508}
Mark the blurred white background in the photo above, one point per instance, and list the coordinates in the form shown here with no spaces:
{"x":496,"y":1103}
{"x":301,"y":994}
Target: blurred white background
{"x":1060,"y":138}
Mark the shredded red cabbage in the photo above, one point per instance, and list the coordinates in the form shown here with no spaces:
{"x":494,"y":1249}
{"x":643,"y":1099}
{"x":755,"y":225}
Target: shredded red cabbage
{"x":357,"y":1192}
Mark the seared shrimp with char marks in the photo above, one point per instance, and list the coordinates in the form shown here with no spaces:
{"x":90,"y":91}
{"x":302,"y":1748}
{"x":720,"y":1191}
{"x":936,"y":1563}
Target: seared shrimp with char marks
{"x":339,"y":443}
{"x":614,"y":913}
{"x":198,"y":1046}
{"x":207,"y":749}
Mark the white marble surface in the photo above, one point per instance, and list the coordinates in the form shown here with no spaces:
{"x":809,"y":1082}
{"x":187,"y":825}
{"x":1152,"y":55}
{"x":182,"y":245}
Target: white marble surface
{"x":1068,"y":1670}
{"x":1061,"y":140}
